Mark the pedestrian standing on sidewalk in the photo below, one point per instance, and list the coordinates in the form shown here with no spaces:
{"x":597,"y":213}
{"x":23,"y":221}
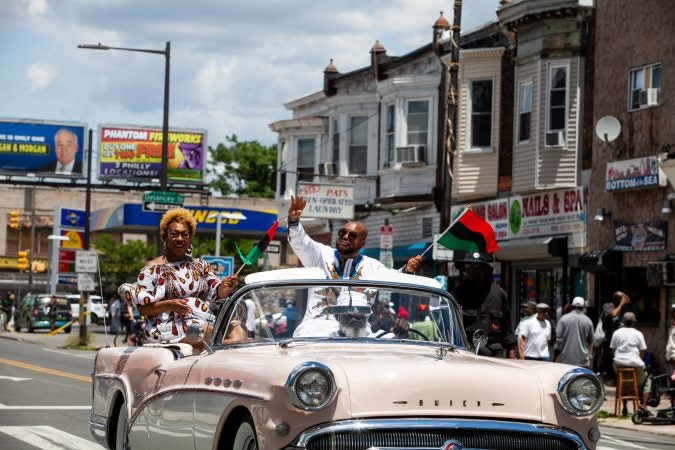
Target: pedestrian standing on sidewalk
{"x":574,"y":336}
{"x":116,"y":318}
{"x":530,"y":312}
{"x":612,"y":320}
{"x":629,"y":347}
{"x":670,"y":347}
{"x":535,"y":336}
{"x":51,"y":312}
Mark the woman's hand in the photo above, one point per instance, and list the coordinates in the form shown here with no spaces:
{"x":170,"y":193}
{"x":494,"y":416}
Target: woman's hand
{"x":227,"y":286}
{"x":180,"y":306}
{"x":236,"y":333}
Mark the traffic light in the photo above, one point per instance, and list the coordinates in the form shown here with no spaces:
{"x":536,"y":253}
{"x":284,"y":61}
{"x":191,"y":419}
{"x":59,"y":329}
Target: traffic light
{"x":14,"y":220}
{"x":22,"y":260}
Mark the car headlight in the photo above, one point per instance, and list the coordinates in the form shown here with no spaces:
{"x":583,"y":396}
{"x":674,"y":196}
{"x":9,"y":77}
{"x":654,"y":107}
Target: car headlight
{"x":580,"y":392}
{"x":311,"y":386}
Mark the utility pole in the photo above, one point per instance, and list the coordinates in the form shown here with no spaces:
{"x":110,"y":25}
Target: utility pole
{"x":449,"y":128}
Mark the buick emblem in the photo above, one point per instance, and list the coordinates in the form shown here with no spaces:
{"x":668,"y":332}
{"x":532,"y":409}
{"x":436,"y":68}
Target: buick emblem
{"x":452,"y":445}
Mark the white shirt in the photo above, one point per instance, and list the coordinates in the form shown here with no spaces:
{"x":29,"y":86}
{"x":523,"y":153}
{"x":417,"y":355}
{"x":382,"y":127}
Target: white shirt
{"x":250,"y":314}
{"x":314,"y":254}
{"x":627,"y":343}
{"x":670,"y":347}
{"x":537,"y":333}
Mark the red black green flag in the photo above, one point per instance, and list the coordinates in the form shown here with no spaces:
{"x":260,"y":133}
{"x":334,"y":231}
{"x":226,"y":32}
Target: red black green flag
{"x":256,"y":252}
{"x":469,"y":233}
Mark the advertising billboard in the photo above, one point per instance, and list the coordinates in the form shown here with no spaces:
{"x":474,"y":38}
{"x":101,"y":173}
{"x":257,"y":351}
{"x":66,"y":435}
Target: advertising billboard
{"x":54,"y":149}
{"x":135,"y":153}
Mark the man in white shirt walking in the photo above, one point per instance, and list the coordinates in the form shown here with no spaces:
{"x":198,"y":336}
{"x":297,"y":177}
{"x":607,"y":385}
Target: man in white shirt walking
{"x":535,"y":335}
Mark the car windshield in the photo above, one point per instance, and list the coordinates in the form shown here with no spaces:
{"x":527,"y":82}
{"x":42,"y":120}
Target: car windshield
{"x":339,"y":309}
{"x":62,"y":302}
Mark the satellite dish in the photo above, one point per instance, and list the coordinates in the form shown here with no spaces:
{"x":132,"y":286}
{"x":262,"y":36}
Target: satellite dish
{"x":608,"y":128}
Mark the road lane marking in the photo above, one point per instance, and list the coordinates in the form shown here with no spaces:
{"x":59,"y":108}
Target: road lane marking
{"x":622,"y":442}
{"x":50,"y":407}
{"x":59,"y":373}
{"x":78,"y":355}
{"x":49,"y":438}
{"x":2,"y":377}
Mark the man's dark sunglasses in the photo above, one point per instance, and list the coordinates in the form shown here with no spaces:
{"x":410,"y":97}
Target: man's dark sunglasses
{"x":351,"y":235}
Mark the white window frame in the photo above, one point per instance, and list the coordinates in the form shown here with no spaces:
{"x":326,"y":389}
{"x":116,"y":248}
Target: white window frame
{"x":646,"y":83}
{"x":552,"y":68}
{"x":352,"y":147}
{"x":469,"y":119}
{"x":305,"y":175}
{"x":523,"y":110}
{"x":335,"y":141}
{"x":428,"y":130}
{"x":390,"y":134}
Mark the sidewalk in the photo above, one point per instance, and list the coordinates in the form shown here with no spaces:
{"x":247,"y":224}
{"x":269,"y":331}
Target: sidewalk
{"x":98,"y":341}
{"x":625,"y":422}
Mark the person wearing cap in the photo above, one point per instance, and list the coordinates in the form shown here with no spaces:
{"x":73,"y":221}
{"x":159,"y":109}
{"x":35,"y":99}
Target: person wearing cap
{"x":342,"y":262}
{"x":574,"y":336}
{"x":348,"y":318}
{"x":612,"y":320}
{"x":670,"y":346}
{"x":535,"y":336}
{"x":484,"y":304}
{"x":530,"y":312}
{"x":629,"y":348}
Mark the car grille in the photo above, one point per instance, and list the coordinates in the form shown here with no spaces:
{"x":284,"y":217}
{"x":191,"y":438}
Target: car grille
{"x":431,"y":434}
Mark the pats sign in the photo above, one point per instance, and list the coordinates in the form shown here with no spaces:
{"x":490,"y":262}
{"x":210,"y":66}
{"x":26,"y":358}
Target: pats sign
{"x":328,"y":201}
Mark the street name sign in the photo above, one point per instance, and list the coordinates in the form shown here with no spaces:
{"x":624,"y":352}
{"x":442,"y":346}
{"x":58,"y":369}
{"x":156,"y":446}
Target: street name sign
{"x":162,"y":201}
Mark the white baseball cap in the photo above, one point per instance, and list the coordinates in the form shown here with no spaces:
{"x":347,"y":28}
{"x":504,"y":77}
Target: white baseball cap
{"x":578,"y":301}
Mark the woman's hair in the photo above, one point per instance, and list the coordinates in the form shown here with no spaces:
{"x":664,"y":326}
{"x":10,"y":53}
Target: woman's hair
{"x":180,"y":215}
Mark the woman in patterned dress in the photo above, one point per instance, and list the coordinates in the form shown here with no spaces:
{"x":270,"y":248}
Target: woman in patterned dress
{"x":175,"y":289}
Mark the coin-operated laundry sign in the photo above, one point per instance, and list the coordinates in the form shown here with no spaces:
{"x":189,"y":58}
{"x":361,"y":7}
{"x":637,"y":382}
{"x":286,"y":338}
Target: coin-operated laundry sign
{"x":328,"y":201}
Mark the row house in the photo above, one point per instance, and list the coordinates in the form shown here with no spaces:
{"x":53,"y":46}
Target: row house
{"x":519,"y":155}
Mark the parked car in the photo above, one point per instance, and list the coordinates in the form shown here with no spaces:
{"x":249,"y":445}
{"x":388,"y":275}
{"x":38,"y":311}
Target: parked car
{"x":95,"y":306}
{"x":33,"y":312}
{"x":320,"y":388}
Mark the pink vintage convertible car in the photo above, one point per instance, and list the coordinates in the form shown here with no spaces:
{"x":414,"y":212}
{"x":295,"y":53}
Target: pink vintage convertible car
{"x":330,"y":380}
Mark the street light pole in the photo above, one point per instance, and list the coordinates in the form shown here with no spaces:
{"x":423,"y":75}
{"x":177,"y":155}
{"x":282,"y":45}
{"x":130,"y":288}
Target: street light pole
{"x":163,"y":178}
{"x":219,"y":216}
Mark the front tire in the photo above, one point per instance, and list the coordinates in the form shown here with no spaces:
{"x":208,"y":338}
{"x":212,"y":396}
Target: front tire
{"x":245,"y":438}
{"x":121,"y":427}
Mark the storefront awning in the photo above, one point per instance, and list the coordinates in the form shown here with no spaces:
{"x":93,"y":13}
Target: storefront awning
{"x":601,"y":261}
{"x":542,"y":247}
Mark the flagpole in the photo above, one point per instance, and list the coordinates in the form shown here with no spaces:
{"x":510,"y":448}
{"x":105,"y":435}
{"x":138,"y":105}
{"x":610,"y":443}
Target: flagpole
{"x":446,"y":230}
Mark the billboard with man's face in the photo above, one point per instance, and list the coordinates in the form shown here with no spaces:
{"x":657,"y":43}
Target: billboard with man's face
{"x":42,"y":147}
{"x":135,"y":153}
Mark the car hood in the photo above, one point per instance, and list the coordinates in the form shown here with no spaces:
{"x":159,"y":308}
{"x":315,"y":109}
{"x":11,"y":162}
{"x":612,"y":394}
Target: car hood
{"x":400,"y":379}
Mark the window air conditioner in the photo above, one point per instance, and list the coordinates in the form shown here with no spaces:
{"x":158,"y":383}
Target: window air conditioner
{"x":555,"y":139}
{"x":650,"y":97}
{"x":411,"y":154}
{"x":328,"y":169}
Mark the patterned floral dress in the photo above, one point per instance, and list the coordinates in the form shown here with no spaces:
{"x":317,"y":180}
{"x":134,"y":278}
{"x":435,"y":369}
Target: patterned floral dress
{"x":191,"y":279}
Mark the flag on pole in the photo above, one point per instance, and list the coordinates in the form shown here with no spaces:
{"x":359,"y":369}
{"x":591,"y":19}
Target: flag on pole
{"x":254,"y":254}
{"x":469,"y":233}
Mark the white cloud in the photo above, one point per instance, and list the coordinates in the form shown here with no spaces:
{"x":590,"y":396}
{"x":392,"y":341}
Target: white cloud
{"x":234,"y":63}
{"x":39,"y":76}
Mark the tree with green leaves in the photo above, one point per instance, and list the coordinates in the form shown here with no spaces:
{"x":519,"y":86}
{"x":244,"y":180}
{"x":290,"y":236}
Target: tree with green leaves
{"x":121,"y":263}
{"x":244,"y":168}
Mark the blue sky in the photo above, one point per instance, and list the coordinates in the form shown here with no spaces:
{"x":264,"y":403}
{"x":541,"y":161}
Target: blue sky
{"x":233,"y":62}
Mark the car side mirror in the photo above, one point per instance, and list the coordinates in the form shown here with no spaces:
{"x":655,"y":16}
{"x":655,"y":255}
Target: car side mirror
{"x":479,"y":339}
{"x":194,"y":337}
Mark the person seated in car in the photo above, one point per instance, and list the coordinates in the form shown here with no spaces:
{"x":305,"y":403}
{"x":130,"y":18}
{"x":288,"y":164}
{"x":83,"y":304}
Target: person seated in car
{"x":175,"y":289}
{"x":348,"y":317}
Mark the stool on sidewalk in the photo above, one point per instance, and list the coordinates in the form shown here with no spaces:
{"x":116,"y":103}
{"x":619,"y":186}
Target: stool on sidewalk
{"x":626,"y":389}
